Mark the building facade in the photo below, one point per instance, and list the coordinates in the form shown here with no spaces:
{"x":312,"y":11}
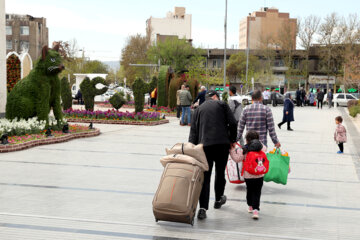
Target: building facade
{"x":176,"y":23}
{"x":3,"y":91}
{"x":263,"y":27}
{"x":25,"y":33}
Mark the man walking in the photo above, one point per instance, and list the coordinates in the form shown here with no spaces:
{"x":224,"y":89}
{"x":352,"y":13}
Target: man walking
{"x":185,"y":102}
{"x":178,"y":104}
{"x":273,"y":98}
{"x":320,"y":98}
{"x":298,"y":97}
{"x":235,"y":103}
{"x":214,"y":126}
{"x":201,"y":96}
{"x":259,"y":118}
{"x":330,"y":98}
{"x":266,"y":96}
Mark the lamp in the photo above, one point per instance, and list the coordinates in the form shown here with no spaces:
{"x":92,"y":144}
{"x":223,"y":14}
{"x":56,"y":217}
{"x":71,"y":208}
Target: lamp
{"x":65,"y":128}
{"x":4,"y":139}
{"x":48,"y":133}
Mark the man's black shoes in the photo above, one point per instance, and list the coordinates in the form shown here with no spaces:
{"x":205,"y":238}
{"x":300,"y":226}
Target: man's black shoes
{"x":201,"y":214}
{"x":222,"y":201}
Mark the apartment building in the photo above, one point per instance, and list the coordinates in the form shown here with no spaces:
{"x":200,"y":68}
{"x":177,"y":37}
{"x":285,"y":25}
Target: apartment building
{"x":26,"y":33}
{"x":263,"y":27}
{"x":175,"y":24}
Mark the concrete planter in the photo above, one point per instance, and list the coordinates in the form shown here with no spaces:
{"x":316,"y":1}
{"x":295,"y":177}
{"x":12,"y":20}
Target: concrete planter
{"x":45,"y":141}
{"x":122,"y":122}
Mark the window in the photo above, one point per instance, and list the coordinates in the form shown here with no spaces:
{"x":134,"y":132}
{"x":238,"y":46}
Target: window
{"x":9,"y":45}
{"x":8,"y":30}
{"x":24,"y":45}
{"x":348,"y":96}
{"x":341,"y":96}
{"x":24,"y":30}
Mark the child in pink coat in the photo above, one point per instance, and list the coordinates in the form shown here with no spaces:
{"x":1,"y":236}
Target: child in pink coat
{"x":340,"y":134}
{"x":254,"y":183}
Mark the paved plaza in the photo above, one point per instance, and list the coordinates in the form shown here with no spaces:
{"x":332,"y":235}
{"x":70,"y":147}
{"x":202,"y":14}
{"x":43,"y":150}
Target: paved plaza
{"x":102,"y":187}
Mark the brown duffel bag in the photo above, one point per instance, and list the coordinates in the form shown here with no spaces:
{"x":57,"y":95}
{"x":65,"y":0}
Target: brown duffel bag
{"x":189,"y":149}
{"x":178,"y":193}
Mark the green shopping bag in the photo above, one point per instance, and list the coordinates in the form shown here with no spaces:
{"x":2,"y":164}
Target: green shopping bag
{"x":278,"y":168}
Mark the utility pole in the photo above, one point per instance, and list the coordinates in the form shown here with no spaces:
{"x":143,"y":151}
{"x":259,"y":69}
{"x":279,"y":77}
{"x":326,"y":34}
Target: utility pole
{"x":225,"y":30}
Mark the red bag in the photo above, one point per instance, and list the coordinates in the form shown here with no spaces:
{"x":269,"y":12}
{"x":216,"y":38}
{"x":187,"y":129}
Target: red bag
{"x":256,"y":163}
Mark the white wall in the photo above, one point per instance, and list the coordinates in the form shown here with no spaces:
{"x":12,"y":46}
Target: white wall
{"x":3,"y":90}
{"x":171,"y":26}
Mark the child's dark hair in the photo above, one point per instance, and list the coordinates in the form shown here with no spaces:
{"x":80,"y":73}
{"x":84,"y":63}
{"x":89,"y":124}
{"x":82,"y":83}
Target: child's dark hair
{"x":339,"y":119}
{"x":251,"y":135}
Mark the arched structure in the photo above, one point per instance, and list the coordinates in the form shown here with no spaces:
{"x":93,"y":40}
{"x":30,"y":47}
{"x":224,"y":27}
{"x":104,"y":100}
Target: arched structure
{"x":13,"y":70}
{"x":26,"y":64}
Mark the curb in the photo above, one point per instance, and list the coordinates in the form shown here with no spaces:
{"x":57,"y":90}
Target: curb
{"x":121,"y":122}
{"x":34,"y":143}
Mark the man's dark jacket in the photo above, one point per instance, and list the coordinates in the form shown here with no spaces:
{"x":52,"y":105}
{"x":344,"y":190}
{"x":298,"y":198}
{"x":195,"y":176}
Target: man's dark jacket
{"x":201,"y":97}
{"x":213,"y":123}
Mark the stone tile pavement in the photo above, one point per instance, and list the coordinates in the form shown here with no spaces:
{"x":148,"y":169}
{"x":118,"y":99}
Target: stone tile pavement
{"x":102,"y":187}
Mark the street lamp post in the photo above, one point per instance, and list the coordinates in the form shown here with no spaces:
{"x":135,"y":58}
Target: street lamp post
{"x":225,"y":31}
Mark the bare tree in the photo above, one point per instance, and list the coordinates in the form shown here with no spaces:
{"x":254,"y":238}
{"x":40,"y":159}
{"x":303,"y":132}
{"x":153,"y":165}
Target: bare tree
{"x":287,"y":42}
{"x":307,"y":31}
{"x":350,"y":39}
{"x":330,"y":38}
{"x":267,"y":55}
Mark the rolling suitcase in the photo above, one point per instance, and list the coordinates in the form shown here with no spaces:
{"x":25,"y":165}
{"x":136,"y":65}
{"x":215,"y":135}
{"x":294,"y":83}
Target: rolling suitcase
{"x":178,"y":193}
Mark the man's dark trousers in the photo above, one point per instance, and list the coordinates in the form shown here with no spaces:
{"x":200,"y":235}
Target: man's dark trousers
{"x":218,"y":154}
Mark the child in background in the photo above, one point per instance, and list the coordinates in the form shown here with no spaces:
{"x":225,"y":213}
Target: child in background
{"x":340,"y":134}
{"x":254,"y":183}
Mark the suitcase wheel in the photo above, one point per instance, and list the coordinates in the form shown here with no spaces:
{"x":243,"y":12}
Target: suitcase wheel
{"x":156,"y":220}
{"x":192,"y":221}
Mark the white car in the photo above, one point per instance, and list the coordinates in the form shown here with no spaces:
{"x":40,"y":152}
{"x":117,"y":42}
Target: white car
{"x":341,"y":99}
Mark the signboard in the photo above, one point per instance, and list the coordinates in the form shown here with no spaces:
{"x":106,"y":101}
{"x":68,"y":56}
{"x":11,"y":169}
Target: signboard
{"x":321,"y":79}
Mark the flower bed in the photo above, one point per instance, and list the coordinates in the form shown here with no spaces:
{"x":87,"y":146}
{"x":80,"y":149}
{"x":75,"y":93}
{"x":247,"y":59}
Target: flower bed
{"x":26,"y":141}
{"x":106,"y":104}
{"x":171,"y":112}
{"x":114,"y":117}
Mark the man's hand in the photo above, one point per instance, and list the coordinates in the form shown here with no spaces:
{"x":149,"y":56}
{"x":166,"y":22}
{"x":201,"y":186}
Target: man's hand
{"x":278,"y":145}
{"x":287,"y":113}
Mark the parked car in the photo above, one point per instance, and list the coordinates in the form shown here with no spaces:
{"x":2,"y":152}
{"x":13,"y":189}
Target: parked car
{"x":341,"y":99}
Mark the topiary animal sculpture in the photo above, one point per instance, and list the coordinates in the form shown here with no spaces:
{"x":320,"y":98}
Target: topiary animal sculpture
{"x":36,"y":94}
{"x":89,"y":91}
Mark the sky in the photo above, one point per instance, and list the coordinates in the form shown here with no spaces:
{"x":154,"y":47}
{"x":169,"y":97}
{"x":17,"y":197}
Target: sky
{"x":102,"y":28}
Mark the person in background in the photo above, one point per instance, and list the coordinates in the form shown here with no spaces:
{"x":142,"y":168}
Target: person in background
{"x":178,"y":104}
{"x":330,"y":97}
{"x":185,"y":101}
{"x":235,"y":103}
{"x":266,"y":96}
{"x":273,"y":97}
{"x":153,"y":97}
{"x":201,"y":96}
{"x":340,"y":134}
{"x":311,"y":98}
{"x":303,"y":96}
{"x":259,"y":118}
{"x":288,"y":114}
{"x":320,"y":98}
{"x":215,"y":127}
{"x":298,"y":97}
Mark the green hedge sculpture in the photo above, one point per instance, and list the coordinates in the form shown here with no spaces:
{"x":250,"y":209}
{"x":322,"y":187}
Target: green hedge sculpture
{"x":139,"y":89}
{"x":89,"y":91}
{"x":162,"y":98}
{"x":117,"y":100}
{"x":66,"y":96}
{"x":36,"y":94}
